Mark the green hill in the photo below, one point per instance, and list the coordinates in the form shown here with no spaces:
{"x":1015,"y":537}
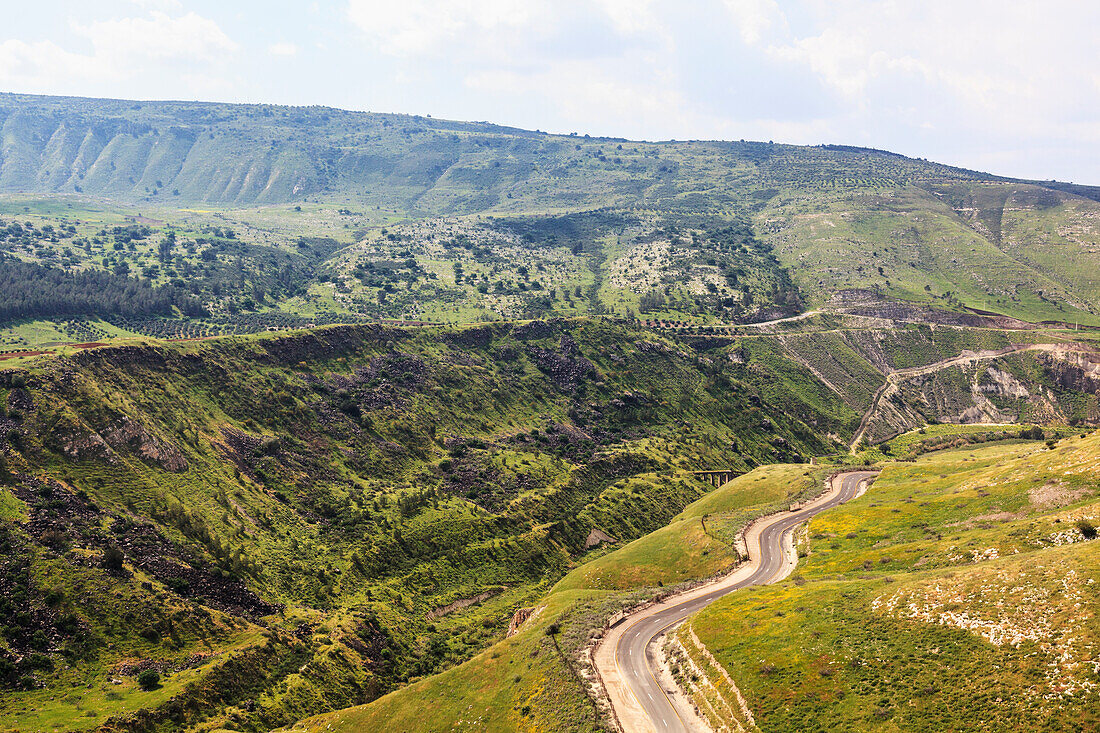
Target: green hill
{"x":960,"y":588}
{"x":303,"y":522}
{"x":535,"y":223}
{"x":299,"y":406}
{"x":307,"y":521}
{"x":255,"y":154}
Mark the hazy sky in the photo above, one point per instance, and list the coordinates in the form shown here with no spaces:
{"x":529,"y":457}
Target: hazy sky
{"x":1000,"y":85}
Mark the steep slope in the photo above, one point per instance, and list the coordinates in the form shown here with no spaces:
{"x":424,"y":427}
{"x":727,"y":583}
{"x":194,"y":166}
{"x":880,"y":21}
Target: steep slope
{"x":962,"y":589}
{"x":307,"y":521}
{"x":539,"y":679}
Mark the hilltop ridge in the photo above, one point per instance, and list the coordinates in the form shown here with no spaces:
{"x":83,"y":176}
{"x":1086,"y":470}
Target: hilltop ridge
{"x":259,"y":153}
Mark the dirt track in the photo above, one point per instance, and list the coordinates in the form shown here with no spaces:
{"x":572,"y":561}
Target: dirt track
{"x":894,"y":379}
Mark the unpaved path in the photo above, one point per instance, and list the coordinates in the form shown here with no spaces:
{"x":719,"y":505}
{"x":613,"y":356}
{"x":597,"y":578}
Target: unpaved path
{"x":967,"y":358}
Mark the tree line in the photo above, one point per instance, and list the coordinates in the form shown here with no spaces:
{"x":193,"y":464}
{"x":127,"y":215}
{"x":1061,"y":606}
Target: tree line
{"x":35,"y":291}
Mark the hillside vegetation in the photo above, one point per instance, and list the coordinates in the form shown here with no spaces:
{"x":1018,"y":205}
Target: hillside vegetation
{"x":275,"y":217}
{"x":300,"y":407}
{"x":961,"y":587}
{"x":352,"y":508}
{"x":836,"y":644}
{"x":535,"y":680}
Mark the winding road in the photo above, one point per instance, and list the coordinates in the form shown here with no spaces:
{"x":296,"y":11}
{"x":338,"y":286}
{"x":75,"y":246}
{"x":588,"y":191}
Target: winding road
{"x":625,"y":658}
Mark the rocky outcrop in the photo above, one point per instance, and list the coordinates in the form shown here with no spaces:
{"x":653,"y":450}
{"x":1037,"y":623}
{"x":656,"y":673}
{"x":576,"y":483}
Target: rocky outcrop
{"x":326,"y":343}
{"x":566,"y":368}
{"x":990,"y":387}
{"x":462,"y":603}
{"x":128,"y":434}
{"x":478,"y":337}
{"x":597,"y":537}
{"x":58,"y":516}
{"x":20,"y":400}
{"x":1074,"y":370}
{"x":521,"y":616}
{"x":80,"y":442}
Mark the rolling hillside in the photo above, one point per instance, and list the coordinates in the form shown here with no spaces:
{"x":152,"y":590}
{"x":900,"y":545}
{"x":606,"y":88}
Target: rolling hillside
{"x":255,"y":154}
{"x":301,"y":409}
{"x":369,"y":505}
{"x":308,"y":521}
{"x":450,"y":221}
{"x":961,"y":587}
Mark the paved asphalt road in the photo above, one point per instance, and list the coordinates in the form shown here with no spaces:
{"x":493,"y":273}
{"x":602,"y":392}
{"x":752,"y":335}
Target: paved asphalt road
{"x":631,"y":650}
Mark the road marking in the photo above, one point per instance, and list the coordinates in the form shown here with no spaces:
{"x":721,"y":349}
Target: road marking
{"x":762,"y":576}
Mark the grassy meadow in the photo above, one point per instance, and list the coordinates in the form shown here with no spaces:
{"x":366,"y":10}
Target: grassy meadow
{"x":961,"y":587}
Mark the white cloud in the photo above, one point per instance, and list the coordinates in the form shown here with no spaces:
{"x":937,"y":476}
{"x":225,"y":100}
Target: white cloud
{"x":156,"y":37}
{"x":630,"y":16}
{"x":36,"y":66}
{"x":283,"y":49}
{"x":596,"y":101}
{"x":121,"y":50}
{"x":982,"y":55}
{"x":166,"y":5}
{"x":754,"y":18}
{"x":419,"y":26}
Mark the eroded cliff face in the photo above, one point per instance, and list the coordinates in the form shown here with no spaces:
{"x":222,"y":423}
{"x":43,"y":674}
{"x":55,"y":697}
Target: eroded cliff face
{"x":902,"y":376}
{"x":1045,"y":384}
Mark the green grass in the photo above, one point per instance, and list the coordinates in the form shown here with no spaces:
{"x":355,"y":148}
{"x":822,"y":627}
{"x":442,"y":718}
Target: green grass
{"x":977,"y":534}
{"x":700,"y":541}
{"x":519,"y":684}
{"x":846,"y":240}
{"x":366,"y":477}
{"x":933,"y":437}
{"x":492,"y":690}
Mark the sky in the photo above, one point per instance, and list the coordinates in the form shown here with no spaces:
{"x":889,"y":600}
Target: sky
{"x":1011,"y":87}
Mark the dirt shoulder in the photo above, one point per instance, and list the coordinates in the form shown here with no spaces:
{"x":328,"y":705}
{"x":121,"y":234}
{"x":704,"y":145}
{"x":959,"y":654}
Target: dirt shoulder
{"x":628,"y":712}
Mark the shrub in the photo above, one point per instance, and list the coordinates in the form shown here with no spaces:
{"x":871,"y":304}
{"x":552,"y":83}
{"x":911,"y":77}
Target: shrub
{"x":1087,"y":529}
{"x":56,"y":539}
{"x":149,"y":680}
{"x":112,"y":558}
{"x":1032,"y":433}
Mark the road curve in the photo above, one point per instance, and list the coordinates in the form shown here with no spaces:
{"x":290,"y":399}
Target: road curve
{"x":767,"y":563}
